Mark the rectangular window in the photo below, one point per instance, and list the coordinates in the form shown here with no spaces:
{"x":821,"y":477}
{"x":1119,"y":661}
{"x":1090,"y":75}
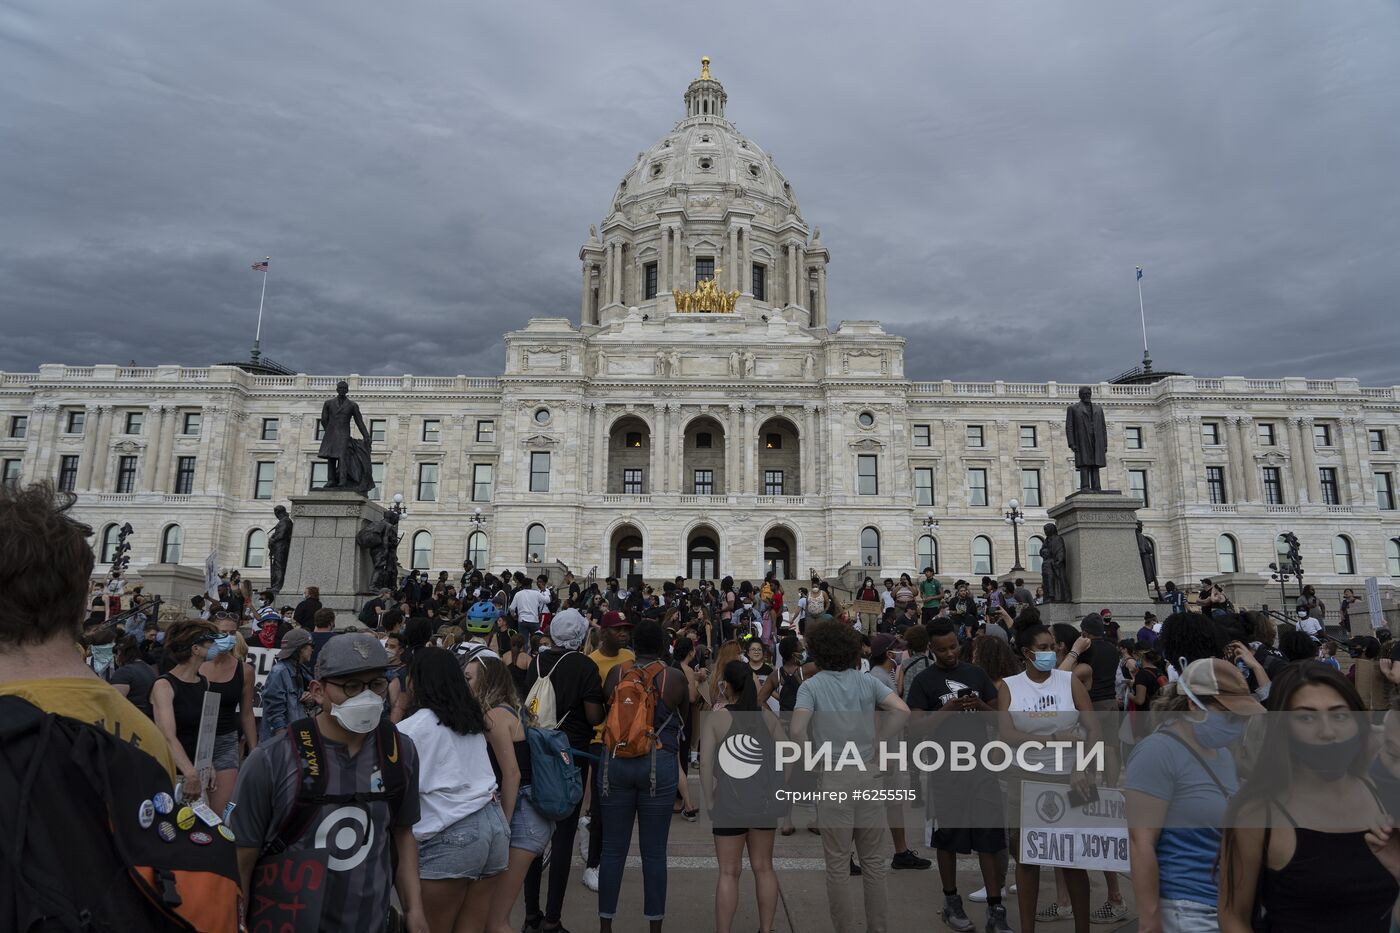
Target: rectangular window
{"x":1267,"y":436}
{"x":704,"y":440}
{"x":923,"y":485}
{"x":19,"y":426}
{"x":921,"y":436}
{"x":320,"y":429}
{"x":1028,"y":436}
{"x":1385,"y":492}
{"x":192,"y":424}
{"x":632,"y":482}
{"x":1030,"y":488}
{"x":704,"y":268}
{"x":1137,"y":486}
{"x":704,"y":482}
{"x":10,"y":473}
{"x":1210,"y":433}
{"x":1215,"y":485}
{"x":1273,"y":485}
{"x":269,"y":429}
{"x":1322,"y":435}
{"x":1327,"y":478}
{"x":977,"y":486}
{"x":135,"y":420}
{"x":481,"y":482}
{"x":1376,"y":438}
{"x":68,"y":472}
{"x":1132,"y":437}
{"x":427,"y":482}
{"x":76,"y":420}
{"x":432,"y":431}
{"x":126,"y":474}
{"x":539,"y":471}
{"x":376,"y":430}
{"x":184,"y":476}
{"x":264,"y":474}
{"x":376,"y":474}
{"x":486,"y":432}
{"x":320,"y":475}
{"x":760,"y":282}
{"x":773,"y":441}
{"x":649,"y":278}
{"x":772,"y":482}
{"x":975,"y":437}
{"x":867,"y":475}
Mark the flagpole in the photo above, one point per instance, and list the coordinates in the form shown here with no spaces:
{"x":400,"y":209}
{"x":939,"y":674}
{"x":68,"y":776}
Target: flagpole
{"x":1142,"y":311}
{"x":257,"y":336}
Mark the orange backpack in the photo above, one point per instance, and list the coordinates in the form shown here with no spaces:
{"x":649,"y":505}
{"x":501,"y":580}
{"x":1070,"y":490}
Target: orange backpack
{"x":630,"y":730}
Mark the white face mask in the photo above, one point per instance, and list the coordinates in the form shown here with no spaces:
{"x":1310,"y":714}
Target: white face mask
{"x":361,"y":713}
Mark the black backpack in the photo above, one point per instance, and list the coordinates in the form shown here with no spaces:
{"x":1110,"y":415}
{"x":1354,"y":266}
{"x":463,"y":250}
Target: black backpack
{"x":74,"y":855}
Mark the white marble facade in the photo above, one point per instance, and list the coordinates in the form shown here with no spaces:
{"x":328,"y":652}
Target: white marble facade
{"x":635,"y":404}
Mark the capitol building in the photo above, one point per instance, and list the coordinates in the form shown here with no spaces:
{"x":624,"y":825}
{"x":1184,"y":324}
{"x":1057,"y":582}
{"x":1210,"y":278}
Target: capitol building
{"x":707,"y":413}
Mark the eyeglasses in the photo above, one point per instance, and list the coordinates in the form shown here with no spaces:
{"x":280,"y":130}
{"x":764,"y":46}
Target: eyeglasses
{"x":353,"y":688}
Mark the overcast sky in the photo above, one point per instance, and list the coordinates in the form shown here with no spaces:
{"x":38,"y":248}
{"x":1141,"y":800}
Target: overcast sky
{"x":986,"y":175}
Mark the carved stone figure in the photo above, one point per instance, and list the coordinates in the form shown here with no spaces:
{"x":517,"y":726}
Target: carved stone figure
{"x":600,"y":364}
{"x":809,"y":366}
{"x":347,"y":458}
{"x":1087,"y":435}
{"x":661,"y":363}
{"x":381,"y":540}
{"x":1147,"y":551}
{"x":734,"y":363}
{"x":1053,"y":577}
{"x":674,"y":360}
{"x":279,"y":544}
{"x":746,"y":364}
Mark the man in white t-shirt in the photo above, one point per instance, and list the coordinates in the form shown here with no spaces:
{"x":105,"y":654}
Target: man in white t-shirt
{"x":526,"y":607}
{"x":1308,"y":625}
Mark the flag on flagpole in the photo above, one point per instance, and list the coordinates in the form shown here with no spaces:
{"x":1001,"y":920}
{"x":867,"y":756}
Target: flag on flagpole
{"x":262,"y":267}
{"x":1139,"y":269}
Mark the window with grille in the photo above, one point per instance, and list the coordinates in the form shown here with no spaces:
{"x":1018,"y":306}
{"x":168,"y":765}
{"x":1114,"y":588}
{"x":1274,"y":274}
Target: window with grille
{"x":1385,"y":492}
{"x":867,"y":475}
{"x":68,"y":472}
{"x":1273,"y":486}
{"x":126,"y":474}
{"x":194,"y":422}
{"x":1028,"y":438}
{"x":76,"y":421}
{"x":135,"y":420}
{"x":432,"y":431}
{"x":269,"y":429}
{"x":539,"y":471}
{"x":1322,"y":435}
{"x":704,"y":268}
{"x":975,"y":436}
{"x":760,"y":282}
{"x":1215,"y":485}
{"x":773,"y":482}
{"x":1132,"y":437}
{"x":1327,"y":478}
{"x":1210,"y":433}
{"x":486,"y":432}
{"x":704,"y":482}
{"x":1267,"y":435}
{"x":921,"y":436}
{"x":1375,"y":437}
{"x":649,"y":276}
{"x":632,"y":482}
{"x":19,"y":426}
{"x":184,"y":476}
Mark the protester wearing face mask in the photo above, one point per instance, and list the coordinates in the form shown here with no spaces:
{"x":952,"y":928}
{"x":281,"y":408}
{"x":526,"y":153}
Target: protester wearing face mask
{"x":1179,"y":781}
{"x":1308,"y":625}
{"x":233,"y":681}
{"x":367,"y":830}
{"x":178,"y":696}
{"x":1296,"y":842}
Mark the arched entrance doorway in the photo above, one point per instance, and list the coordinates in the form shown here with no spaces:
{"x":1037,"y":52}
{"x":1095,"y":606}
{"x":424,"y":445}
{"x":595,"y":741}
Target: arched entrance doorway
{"x":629,"y":456}
{"x":703,"y":459}
{"x":779,"y":458}
{"x":626,"y":552}
{"x":779,"y":546}
{"x":702,"y":554}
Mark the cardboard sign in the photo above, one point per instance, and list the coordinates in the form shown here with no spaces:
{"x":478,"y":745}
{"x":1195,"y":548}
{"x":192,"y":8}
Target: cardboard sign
{"x":868,"y":607}
{"x":262,"y":660}
{"x":1373,"y":603}
{"x":208,"y":725}
{"x":1094,"y":836}
{"x":288,"y":893}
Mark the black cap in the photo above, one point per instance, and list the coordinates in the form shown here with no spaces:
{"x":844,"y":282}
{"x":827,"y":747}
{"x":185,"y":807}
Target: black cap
{"x":1092,"y":625}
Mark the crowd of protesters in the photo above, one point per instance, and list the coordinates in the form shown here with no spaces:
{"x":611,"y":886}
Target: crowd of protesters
{"x":410,"y":758}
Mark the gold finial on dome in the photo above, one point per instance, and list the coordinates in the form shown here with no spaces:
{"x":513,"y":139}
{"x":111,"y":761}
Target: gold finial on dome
{"x":705,"y":68}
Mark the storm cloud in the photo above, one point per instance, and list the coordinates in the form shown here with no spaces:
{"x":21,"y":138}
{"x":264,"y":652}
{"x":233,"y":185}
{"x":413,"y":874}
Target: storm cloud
{"x":986,"y":175}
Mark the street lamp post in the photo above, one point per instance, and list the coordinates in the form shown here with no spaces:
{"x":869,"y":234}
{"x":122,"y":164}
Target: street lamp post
{"x":476,"y":518}
{"x":1015,"y":518}
{"x":1293,"y":568}
{"x":398,"y":508}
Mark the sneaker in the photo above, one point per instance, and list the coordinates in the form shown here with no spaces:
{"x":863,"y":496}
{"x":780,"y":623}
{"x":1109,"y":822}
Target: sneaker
{"x":955,"y":916}
{"x":996,"y":920}
{"x":533,"y":923}
{"x":583,"y":825}
{"x":1109,"y":912}
{"x":909,"y":859}
{"x":590,"y":879}
{"x":1052,"y":912}
{"x":980,"y":895}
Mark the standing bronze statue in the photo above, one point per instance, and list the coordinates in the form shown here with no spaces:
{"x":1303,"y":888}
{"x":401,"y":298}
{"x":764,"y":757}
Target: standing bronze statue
{"x":1147,"y":551}
{"x":1054,"y":579}
{"x":347,"y":458}
{"x":1087,"y":435}
{"x":381,"y":540}
{"x":279,"y":544}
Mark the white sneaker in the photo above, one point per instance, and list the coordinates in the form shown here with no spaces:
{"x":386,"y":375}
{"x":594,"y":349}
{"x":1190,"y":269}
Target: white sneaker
{"x":980,"y":895}
{"x":590,"y":879}
{"x":583,"y":825}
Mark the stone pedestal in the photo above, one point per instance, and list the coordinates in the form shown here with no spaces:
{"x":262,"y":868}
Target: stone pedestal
{"x":324,"y":553}
{"x":1101,"y":560}
{"x":174,"y":583}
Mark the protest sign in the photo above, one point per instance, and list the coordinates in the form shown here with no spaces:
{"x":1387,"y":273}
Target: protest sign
{"x":1094,"y":836}
{"x":1373,"y":603}
{"x":262,"y":660}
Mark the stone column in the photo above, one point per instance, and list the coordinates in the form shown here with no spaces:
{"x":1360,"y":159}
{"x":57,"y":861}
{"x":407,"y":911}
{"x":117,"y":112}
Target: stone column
{"x":808,"y":450}
{"x":663,"y":264}
{"x":746,"y":266}
{"x":732,"y":260}
{"x":1310,"y":460}
{"x":585,"y":312}
{"x":1356,"y":445}
{"x":150,"y":469}
{"x":676,"y":467}
{"x":903,"y":479}
{"x":1249,"y":492}
{"x":104,"y":440}
{"x":1236,"y":451}
{"x":733,"y":445}
{"x":750,"y":452}
{"x":655,"y":482}
{"x":1298,"y":467}
{"x":600,"y":447}
{"x":792,"y":274}
{"x":1008,"y":470}
{"x":678,"y":278}
{"x":819,"y":312}
{"x":91,"y":420}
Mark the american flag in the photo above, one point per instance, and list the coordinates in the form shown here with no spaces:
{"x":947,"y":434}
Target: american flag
{"x":1139,"y":271}
{"x":260,"y":266}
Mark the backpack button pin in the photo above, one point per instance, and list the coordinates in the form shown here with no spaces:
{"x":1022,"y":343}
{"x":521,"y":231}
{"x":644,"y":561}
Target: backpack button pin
{"x":146,"y":815}
{"x":166,"y":831}
{"x":201,"y":838}
{"x":185,"y":818}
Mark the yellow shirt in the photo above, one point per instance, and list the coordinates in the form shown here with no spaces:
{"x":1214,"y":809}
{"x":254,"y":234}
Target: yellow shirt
{"x":91,"y":700}
{"x":605,"y":666}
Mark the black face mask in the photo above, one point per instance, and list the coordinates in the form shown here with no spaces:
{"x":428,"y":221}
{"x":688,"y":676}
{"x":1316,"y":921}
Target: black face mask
{"x":1331,"y":761}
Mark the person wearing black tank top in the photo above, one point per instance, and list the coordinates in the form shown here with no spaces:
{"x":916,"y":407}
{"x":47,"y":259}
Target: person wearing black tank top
{"x":233,"y":681}
{"x":177,"y":698}
{"x":1296,"y":846}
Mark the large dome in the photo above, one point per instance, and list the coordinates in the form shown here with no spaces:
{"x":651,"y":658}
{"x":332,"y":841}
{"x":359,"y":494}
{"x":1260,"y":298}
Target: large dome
{"x":704,"y":201}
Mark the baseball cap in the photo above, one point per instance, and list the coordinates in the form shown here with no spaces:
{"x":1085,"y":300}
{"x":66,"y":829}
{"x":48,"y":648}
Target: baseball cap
{"x":1213,"y":677}
{"x":268,"y":614}
{"x":884,"y":642}
{"x":350,"y":653}
{"x":614,"y":619}
{"x":1092,"y":624}
{"x":292,"y":641}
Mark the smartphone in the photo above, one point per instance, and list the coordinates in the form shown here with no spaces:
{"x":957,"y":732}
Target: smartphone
{"x":965,"y":693}
{"x":1077,"y":799}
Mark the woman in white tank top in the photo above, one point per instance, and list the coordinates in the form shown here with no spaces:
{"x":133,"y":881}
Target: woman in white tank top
{"x":1043,"y":704}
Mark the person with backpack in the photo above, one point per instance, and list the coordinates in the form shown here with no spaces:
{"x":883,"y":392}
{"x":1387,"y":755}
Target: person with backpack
{"x":564,"y":692}
{"x":335,"y":798}
{"x":638,"y":773}
{"x":916,"y":640}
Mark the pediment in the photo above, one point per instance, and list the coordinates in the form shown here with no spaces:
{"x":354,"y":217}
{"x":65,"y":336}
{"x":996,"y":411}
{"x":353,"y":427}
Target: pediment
{"x":541,"y":440}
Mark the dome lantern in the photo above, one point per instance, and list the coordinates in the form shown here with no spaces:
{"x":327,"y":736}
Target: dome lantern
{"x":705,"y":96}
